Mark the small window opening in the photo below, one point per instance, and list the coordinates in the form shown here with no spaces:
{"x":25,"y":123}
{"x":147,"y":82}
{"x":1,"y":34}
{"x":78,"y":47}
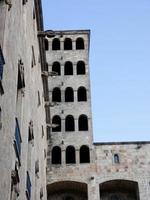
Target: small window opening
{"x":68,"y":68}
{"x":2,"y":62}
{"x":70,"y":155}
{"x":84,"y":154}
{"x":69,"y":123}
{"x":30,"y":133}
{"x":56,"y":44}
{"x":69,"y":95}
{"x":56,"y":95}
{"x":68,"y":44}
{"x":82,"y":96}
{"x":24,"y":2}
{"x":79,"y":43}
{"x":21,"y":82}
{"x":28,"y":186}
{"x":56,"y":68}
{"x":116,"y":159}
{"x":33,"y":13}
{"x":83,"y":123}
{"x":80,"y":68}
{"x":56,"y":155}
{"x":56,"y":121}
{"x":46,"y":44}
{"x":39,"y":99}
{"x":33,"y":57}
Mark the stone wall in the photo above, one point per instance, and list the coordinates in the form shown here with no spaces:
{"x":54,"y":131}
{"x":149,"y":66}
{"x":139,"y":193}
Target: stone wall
{"x":133,"y":166}
{"x":19,"y":44}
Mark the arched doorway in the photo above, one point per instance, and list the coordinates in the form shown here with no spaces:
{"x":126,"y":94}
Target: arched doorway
{"x":119,"y":190}
{"x":67,"y":190}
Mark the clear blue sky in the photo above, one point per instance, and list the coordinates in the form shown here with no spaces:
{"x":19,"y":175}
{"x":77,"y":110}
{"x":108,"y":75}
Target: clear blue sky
{"x":119,"y":61}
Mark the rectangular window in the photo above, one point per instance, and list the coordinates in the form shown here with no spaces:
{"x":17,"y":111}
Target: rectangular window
{"x":17,"y":140}
{"x":28,"y":186}
{"x":2,"y":62}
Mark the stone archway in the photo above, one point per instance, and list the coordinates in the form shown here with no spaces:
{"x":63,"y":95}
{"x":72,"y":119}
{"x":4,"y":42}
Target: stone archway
{"x":119,"y":190}
{"x":67,"y":190}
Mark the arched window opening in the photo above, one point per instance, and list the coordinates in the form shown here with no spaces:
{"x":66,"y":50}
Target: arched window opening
{"x":69,"y":123}
{"x":56,"y":68}
{"x":82,"y":96}
{"x":56,"y":122}
{"x":46,"y":44}
{"x":83,"y":123}
{"x":56,"y":155}
{"x":80,"y":68}
{"x":68,"y":44}
{"x":56,"y":44}
{"x":68,"y":69}
{"x":79,"y":43}
{"x":84,"y":154}
{"x":69,"y":95}
{"x":116,"y":158}
{"x":56,"y":95}
{"x":70,"y":155}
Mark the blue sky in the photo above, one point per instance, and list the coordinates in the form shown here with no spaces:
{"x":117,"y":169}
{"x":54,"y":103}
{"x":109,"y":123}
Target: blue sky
{"x":119,"y":61}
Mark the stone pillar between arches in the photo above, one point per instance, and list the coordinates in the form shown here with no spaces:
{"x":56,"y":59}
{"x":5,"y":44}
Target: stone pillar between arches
{"x":93,"y":190}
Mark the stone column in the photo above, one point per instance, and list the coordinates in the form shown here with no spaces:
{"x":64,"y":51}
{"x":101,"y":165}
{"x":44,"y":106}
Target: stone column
{"x":63,"y":157}
{"x":77,"y":156}
{"x":93,"y":189}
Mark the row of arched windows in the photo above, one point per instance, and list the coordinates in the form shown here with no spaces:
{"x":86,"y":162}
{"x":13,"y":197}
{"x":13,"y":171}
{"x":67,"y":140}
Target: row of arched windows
{"x":69,"y":94}
{"x":70,"y":123}
{"x":70,"y":155}
{"x":67,"y":44}
{"x":68,"y":68}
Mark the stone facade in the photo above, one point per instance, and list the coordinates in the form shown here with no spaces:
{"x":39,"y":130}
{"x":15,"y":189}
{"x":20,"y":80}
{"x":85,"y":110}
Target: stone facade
{"x":46,"y":146}
{"x":23,"y":143}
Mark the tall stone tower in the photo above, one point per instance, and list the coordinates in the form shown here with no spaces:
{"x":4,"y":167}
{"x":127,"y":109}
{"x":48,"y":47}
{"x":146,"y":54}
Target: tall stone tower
{"x":69,"y":91}
{"x":70,"y":100}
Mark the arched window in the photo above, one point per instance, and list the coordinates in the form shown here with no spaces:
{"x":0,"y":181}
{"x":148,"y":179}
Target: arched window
{"x":70,"y":155}
{"x":68,"y":44}
{"x":56,"y":122}
{"x":56,"y":44}
{"x":46,"y":44}
{"x":84,"y":154}
{"x":80,"y":68}
{"x":69,"y":123}
{"x":56,"y":68}
{"x":116,"y":158}
{"x":80,"y":43}
{"x":83,"y":123}
{"x":68,"y":68}
{"x":56,"y":95}
{"x":69,"y":95}
{"x":82,"y":94}
{"x":56,"y":155}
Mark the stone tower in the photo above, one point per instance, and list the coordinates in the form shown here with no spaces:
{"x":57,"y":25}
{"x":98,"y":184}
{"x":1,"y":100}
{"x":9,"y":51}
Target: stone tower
{"x":69,"y":91}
